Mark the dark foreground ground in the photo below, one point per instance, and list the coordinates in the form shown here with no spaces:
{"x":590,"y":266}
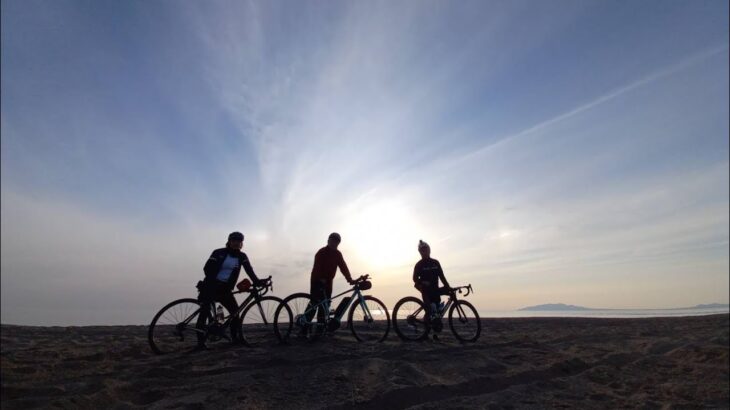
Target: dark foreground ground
{"x":517,"y":363}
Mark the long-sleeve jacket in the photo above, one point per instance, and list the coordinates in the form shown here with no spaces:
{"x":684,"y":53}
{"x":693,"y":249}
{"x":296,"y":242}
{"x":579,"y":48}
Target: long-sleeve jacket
{"x":428,"y":270}
{"x":214,"y":263}
{"x":326,"y":262}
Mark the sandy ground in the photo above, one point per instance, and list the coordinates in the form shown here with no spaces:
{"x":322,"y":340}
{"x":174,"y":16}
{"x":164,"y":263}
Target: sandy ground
{"x":517,"y":363}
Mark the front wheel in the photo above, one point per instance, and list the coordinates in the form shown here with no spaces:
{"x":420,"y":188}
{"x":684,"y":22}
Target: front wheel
{"x":464,"y":321}
{"x":296,"y":320}
{"x":257,"y":321}
{"x":409,"y":319}
{"x":173,"y":327}
{"x":369,"y":320}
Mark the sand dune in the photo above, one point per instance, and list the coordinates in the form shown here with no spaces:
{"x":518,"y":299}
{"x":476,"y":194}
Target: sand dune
{"x":517,"y":363}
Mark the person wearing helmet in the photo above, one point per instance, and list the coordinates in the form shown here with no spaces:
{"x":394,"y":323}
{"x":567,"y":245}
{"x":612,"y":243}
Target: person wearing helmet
{"x":326,"y":262}
{"x":221,"y":273}
{"x":426,"y":275}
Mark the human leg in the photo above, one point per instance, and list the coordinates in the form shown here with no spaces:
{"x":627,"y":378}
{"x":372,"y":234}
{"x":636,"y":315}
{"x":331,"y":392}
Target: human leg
{"x":228,"y":301}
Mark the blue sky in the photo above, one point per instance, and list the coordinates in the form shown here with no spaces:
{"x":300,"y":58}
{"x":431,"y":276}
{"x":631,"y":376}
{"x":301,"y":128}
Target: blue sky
{"x":556,"y":151}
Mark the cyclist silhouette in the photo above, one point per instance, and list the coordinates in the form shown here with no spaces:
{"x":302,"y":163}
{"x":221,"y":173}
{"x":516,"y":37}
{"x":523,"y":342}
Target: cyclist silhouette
{"x":426,"y":275}
{"x":221,"y":273}
{"x":326,"y":262}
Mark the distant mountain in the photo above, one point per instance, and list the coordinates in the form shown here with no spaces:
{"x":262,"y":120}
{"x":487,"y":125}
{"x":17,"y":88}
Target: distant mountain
{"x":554,"y":307}
{"x":710,"y":306}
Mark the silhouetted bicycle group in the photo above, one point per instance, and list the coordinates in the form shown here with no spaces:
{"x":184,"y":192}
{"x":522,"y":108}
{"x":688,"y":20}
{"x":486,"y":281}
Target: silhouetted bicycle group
{"x":298,"y":318}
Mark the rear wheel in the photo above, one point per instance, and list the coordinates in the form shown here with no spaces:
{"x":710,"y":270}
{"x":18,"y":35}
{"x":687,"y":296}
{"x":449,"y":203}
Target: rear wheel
{"x":173,"y":327}
{"x":464,"y":321}
{"x":409,"y":319}
{"x":369,"y":321}
{"x":257,"y":321}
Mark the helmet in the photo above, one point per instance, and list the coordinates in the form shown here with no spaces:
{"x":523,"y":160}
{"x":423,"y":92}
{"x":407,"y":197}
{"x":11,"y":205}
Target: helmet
{"x":422,"y":245}
{"x":335,"y":236}
{"x":235,"y":236}
{"x":365,"y":285}
{"x":244,"y":285}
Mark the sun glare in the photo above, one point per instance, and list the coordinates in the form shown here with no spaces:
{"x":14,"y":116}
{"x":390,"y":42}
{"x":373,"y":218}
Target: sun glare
{"x":384,"y":234}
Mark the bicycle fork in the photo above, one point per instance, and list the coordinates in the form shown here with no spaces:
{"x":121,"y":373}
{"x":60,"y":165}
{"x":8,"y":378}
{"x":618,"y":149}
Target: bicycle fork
{"x":364,"y":306}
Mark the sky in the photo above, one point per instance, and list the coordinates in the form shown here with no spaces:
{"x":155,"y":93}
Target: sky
{"x":558,"y":151}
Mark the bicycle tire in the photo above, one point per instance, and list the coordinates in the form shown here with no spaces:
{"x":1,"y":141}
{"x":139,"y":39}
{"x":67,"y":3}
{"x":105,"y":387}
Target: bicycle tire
{"x":464,"y":321}
{"x":257,"y":321}
{"x":407,"y":327}
{"x":290,"y":320}
{"x":168,"y":331}
{"x":373,"y":329}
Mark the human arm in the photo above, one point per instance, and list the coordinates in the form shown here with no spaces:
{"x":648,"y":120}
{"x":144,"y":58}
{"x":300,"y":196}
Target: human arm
{"x":416,"y":277}
{"x":246,"y":264}
{"x":210,"y":268}
{"x":343,"y":268}
{"x":443,"y":277}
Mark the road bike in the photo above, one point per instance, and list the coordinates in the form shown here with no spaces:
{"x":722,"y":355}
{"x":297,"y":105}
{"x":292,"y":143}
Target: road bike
{"x":411,"y":323}
{"x":302,"y":318}
{"x":173,"y":329}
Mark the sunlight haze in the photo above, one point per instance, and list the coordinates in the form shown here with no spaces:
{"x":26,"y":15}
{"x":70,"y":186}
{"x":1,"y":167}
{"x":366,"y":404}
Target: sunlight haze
{"x":552,"y":151}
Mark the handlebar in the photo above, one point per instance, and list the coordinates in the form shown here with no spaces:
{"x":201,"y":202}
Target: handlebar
{"x":362,"y":278}
{"x":359,"y":281}
{"x":268,"y":285}
{"x":468,"y":288}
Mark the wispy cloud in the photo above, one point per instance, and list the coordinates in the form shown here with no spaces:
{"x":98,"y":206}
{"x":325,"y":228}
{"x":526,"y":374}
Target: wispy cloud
{"x":531,"y":149}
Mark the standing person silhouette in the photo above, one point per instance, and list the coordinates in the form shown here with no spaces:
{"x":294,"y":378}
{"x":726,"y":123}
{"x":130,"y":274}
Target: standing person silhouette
{"x":326,"y":262}
{"x":426,"y":275}
{"x":221,"y":273}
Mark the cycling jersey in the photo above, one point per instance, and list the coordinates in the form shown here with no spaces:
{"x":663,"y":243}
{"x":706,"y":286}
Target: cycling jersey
{"x":428,"y":270}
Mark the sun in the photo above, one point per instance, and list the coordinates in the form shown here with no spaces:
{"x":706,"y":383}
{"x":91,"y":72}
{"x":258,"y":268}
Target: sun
{"x":383,"y":233}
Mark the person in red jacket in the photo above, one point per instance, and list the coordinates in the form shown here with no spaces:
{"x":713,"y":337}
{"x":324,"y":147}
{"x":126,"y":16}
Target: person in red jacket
{"x":326,"y":262}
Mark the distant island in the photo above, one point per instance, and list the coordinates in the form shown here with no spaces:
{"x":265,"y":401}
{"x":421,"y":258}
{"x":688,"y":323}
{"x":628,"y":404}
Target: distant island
{"x":563,"y":307}
{"x":711,"y":306}
{"x":555,"y":306}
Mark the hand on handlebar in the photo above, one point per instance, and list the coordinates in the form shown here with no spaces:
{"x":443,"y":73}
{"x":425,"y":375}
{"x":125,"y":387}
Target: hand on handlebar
{"x":358,"y":280}
{"x":262,"y":282}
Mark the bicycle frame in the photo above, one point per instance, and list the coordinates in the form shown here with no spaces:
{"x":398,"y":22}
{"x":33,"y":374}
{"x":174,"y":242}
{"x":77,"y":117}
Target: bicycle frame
{"x":452,"y":300}
{"x":254,"y":294}
{"x":326,"y":304}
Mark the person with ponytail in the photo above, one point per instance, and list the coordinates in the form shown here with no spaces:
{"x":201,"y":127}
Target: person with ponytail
{"x":426,"y":275}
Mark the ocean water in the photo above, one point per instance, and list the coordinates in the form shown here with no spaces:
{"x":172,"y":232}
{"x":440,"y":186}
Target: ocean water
{"x":607,"y":313}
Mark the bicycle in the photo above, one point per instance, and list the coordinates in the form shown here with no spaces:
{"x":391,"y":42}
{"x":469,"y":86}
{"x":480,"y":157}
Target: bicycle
{"x":368,"y":318}
{"x":173,"y":329}
{"x":411,"y":324}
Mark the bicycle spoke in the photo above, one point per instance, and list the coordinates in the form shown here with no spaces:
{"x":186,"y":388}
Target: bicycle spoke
{"x":409,"y":318}
{"x":369,"y":320}
{"x":173,"y":328}
{"x":464,"y":321}
{"x":257,"y":324}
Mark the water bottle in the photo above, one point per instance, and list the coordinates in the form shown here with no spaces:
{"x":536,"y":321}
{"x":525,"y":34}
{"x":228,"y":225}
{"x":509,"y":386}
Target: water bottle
{"x":441,"y":307}
{"x":219,"y":314}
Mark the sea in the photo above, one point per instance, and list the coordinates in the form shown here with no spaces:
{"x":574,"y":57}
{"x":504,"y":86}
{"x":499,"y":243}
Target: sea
{"x":605,"y":313}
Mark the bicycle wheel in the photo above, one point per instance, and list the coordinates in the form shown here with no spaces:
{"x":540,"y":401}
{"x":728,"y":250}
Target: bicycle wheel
{"x":369,"y":325}
{"x":257,"y":321}
{"x":464,"y":321}
{"x":173,"y":327}
{"x":291,"y":323}
{"x":409,"y":319}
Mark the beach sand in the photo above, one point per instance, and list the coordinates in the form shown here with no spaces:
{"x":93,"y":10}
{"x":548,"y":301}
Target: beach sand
{"x":517,"y":363}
